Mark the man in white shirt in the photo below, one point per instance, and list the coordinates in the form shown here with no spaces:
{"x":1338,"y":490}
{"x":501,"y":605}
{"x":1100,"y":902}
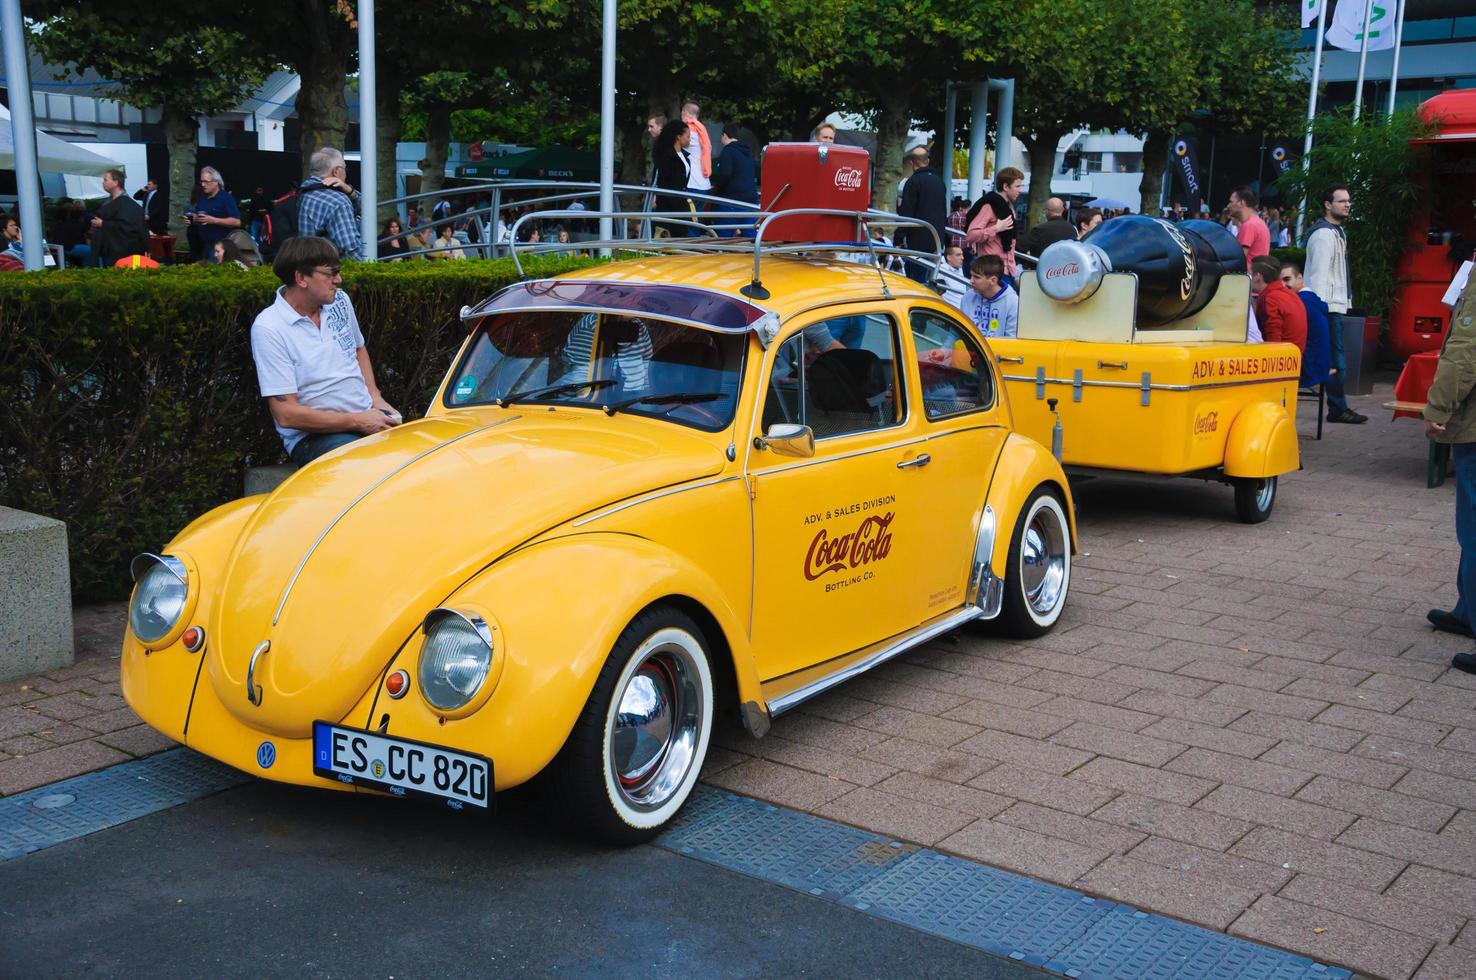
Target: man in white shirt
{"x":311,"y":363}
{"x":699,"y":151}
{"x":951,"y":281}
{"x":990,"y":304}
{"x":1327,"y":276}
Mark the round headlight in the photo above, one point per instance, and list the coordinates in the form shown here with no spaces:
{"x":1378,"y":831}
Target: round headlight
{"x":455,"y":658}
{"x":158,"y":597}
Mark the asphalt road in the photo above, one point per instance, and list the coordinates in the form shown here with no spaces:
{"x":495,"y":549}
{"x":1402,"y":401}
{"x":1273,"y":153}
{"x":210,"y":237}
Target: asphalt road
{"x":267,"y":880}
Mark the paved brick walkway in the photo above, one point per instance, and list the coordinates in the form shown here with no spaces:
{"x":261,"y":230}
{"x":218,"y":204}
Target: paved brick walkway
{"x":1250,"y":728}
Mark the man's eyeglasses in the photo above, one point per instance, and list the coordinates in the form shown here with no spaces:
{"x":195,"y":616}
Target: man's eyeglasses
{"x":331,"y":272}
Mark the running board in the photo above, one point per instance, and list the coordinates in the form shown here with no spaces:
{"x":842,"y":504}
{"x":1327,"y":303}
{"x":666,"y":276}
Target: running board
{"x":900,"y":645}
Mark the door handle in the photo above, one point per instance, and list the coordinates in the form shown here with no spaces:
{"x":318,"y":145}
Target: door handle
{"x":921,"y":459}
{"x":1121,"y":365}
{"x":998,"y":359}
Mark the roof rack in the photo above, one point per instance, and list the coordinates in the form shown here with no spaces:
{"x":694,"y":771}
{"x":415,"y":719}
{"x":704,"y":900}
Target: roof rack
{"x":754,"y":223}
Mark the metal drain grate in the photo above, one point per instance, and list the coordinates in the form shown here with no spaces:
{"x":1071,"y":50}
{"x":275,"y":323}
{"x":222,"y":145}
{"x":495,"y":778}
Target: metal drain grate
{"x":1008,"y":914}
{"x":86,"y":804}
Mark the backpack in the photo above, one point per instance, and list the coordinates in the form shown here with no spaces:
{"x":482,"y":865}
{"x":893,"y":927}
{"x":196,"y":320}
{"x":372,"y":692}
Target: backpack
{"x":281,"y":221}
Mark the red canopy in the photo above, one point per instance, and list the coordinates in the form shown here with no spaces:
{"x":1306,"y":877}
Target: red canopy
{"x":1454,"y":112}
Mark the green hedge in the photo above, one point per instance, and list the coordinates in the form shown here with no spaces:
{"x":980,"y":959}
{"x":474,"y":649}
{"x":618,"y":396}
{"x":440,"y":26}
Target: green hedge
{"x":128,"y":400}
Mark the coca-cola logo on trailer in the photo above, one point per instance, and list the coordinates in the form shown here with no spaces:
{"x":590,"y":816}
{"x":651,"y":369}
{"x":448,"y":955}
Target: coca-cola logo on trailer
{"x":1062,"y":271}
{"x":848,"y":178}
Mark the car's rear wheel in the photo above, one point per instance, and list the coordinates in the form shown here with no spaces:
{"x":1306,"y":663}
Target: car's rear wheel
{"x":638,"y":747}
{"x":1039,"y":571}
{"x":1254,"y":498}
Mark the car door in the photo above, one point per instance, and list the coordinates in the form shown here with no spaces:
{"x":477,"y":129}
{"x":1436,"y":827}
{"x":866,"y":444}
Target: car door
{"x":965,"y":423}
{"x":840,"y":536}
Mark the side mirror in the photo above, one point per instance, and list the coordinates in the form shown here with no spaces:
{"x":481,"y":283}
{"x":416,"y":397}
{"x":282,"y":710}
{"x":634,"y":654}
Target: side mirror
{"x":787,"y":439}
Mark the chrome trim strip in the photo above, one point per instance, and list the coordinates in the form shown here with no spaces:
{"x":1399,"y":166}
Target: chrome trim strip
{"x":653,"y":496}
{"x":1039,"y":381}
{"x":375,"y":486}
{"x":904,"y":643}
{"x":982,"y":571}
{"x":612,"y":311}
{"x":853,"y":453}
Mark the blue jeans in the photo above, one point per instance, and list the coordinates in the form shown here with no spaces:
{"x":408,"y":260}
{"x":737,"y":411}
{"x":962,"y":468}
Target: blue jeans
{"x":1337,"y":399}
{"x":309,"y":448}
{"x":1463,"y":456}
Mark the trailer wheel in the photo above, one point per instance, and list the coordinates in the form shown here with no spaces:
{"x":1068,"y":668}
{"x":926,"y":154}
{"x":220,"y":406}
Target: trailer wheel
{"x":1254,"y":498}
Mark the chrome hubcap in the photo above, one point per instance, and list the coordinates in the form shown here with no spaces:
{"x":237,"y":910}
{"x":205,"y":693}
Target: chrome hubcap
{"x":1265,"y":494}
{"x":1043,"y":562}
{"x":656,"y":728}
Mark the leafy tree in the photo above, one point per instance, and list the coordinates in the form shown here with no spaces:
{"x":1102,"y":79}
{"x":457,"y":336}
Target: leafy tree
{"x":885,"y":60}
{"x":1246,"y":66}
{"x":1373,"y":156}
{"x":187,"y":67}
{"x":1068,"y":79}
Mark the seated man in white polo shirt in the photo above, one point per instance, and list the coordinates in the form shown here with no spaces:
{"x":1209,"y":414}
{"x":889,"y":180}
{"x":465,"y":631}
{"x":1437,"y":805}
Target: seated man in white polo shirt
{"x":310,"y":359}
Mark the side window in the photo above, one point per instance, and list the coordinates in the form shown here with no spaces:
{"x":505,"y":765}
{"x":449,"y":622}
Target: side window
{"x":838,"y":376}
{"x":951,"y":366}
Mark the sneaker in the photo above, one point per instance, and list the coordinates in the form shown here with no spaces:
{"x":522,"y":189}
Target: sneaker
{"x":1464,"y":661}
{"x":1347,"y":415}
{"x":1448,"y":623}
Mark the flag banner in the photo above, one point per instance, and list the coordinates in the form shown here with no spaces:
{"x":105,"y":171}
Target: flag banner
{"x":1310,"y":10}
{"x":1281,"y":158}
{"x":1186,"y":170}
{"x":1346,"y":31}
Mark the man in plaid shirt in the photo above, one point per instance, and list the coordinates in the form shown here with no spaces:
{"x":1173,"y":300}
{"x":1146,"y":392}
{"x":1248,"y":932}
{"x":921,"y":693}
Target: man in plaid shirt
{"x":332,"y":216}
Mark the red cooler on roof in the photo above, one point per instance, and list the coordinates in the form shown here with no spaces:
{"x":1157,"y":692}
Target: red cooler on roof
{"x":815,"y":175}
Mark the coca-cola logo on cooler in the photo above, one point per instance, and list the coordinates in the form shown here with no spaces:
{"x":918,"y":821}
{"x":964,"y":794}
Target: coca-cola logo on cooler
{"x":1062,"y":271}
{"x":848,"y":178}
{"x":871,"y":541}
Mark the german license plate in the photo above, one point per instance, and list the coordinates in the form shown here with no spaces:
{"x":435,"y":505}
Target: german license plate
{"x":401,"y":767}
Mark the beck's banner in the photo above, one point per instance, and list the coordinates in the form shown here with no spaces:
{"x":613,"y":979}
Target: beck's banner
{"x":1346,"y":30}
{"x":1186,"y":170}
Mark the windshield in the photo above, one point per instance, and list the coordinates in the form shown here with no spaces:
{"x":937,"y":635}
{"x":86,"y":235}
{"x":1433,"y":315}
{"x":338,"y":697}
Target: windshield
{"x":604,"y":361}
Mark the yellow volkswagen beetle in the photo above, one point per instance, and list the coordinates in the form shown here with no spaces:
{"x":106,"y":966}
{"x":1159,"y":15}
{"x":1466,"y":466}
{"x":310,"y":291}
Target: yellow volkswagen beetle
{"x":638,"y":498}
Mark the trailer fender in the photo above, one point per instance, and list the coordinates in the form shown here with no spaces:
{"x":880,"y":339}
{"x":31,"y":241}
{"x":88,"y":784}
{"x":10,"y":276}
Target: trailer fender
{"x":1262,"y":442}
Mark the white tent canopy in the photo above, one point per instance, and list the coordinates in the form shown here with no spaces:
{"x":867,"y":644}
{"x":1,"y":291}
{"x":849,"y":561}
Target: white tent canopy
{"x":55,"y":156}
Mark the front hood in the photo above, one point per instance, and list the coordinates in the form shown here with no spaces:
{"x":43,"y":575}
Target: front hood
{"x":349,"y":554}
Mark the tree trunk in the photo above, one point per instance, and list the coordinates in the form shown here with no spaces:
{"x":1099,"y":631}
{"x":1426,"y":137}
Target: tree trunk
{"x":1155,"y":167}
{"x":180,"y":135}
{"x":893,"y":120}
{"x":437,"y":147}
{"x":322,"y":66}
{"x":633,"y":155}
{"x":1042,"y":150}
{"x":387,"y":122}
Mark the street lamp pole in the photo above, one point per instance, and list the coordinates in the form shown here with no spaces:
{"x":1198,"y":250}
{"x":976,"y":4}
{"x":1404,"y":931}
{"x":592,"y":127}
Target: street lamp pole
{"x":22,"y":132}
{"x":607,"y":123}
{"x":368,"y":150}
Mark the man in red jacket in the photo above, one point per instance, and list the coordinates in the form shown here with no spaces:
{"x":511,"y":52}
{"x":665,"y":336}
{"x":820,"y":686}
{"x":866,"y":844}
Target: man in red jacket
{"x":1282,"y":316}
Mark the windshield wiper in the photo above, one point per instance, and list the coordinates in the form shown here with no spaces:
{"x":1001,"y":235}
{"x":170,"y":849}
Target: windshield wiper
{"x":675,"y":398}
{"x":559,"y":389}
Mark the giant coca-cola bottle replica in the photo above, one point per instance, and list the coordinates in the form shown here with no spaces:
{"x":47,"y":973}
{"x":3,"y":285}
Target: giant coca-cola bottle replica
{"x":1179,"y":266}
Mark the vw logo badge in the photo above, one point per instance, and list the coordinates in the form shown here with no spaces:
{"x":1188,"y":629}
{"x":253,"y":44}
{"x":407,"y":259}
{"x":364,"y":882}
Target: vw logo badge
{"x":266,"y":754}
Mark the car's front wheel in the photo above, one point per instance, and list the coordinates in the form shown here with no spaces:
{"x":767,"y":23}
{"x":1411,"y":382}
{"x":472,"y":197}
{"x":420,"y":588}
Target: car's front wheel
{"x":1039,"y":571}
{"x":638,"y":747}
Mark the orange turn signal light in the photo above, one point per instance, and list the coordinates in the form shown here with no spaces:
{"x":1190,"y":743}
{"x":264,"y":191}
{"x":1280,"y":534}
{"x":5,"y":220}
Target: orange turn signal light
{"x":193,"y":638}
{"x":396,"y":684}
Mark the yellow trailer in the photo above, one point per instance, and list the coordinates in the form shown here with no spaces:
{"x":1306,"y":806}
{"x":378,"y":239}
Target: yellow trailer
{"x":1113,"y":395}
